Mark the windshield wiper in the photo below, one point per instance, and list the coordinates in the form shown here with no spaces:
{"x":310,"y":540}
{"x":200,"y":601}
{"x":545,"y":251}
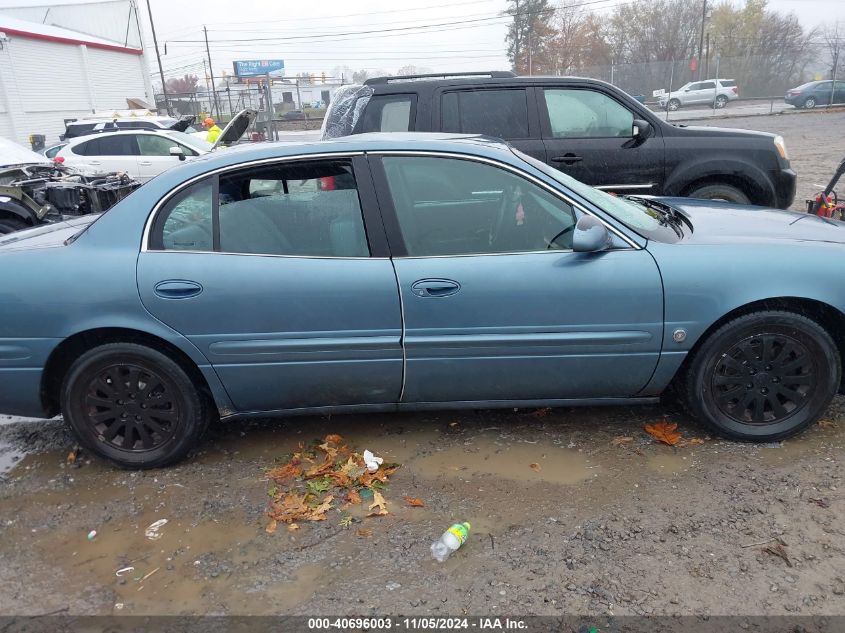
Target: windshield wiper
{"x":670,"y":216}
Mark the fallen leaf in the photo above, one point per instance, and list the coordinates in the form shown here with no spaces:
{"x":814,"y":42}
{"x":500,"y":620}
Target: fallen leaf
{"x":664,"y":432}
{"x":346,"y":521}
{"x":619,"y":441}
{"x":364,"y":532}
{"x":319,"y":513}
{"x":293,"y":527}
{"x":289,"y":471}
{"x":535,"y":467}
{"x":271,"y":527}
{"x":353,"y":497}
{"x":822,"y":503}
{"x":826,"y":424}
{"x":334,"y":438}
{"x":694,"y":441}
{"x":541,"y":413}
{"x":414,"y":502}
{"x":71,"y":457}
{"x":777,"y":550}
{"x":378,"y":502}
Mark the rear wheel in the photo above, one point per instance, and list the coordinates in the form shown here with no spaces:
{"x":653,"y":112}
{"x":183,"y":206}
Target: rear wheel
{"x":719,"y":191}
{"x":673,"y":104}
{"x":809,"y":103}
{"x":133,"y":406}
{"x":721,"y":101}
{"x":763,"y":376}
{"x":10,"y":225}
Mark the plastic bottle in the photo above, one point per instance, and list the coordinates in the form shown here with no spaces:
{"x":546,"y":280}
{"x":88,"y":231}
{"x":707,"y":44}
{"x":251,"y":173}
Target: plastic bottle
{"x":451,"y":540}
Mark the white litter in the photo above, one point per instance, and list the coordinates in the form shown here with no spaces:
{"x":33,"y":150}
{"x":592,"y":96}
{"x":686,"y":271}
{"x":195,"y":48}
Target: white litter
{"x":123,"y":570}
{"x":152,"y":532}
{"x":372,"y":461}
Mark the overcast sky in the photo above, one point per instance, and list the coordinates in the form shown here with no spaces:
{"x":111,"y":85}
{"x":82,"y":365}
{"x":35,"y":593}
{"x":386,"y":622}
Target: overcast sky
{"x":461,"y":35}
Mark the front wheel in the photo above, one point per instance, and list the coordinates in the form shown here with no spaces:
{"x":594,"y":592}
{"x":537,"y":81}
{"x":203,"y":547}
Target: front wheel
{"x":673,"y":105}
{"x":719,"y":191}
{"x":763,"y":376}
{"x":133,"y":406}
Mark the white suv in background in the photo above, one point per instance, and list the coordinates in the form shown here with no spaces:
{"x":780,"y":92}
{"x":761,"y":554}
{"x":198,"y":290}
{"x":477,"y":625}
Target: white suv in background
{"x":709,"y":92}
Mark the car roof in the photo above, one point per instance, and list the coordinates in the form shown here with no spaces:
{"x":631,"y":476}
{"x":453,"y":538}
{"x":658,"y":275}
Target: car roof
{"x":88,"y":137}
{"x":412,"y":85}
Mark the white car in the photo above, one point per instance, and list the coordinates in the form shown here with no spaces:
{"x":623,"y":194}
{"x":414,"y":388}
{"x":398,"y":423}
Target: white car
{"x":144,"y":154}
{"x":701,"y":93}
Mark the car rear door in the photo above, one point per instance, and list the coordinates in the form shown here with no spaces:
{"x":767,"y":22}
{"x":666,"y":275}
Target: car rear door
{"x":273,"y":274}
{"x":106,"y":152}
{"x":588,"y":134}
{"x":496,"y":305}
{"x":508,"y":113}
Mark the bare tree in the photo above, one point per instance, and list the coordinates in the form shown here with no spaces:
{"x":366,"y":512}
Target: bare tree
{"x":188,"y":84}
{"x":834,"y":37}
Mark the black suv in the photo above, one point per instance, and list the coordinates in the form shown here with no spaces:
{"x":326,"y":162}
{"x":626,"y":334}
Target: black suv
{"x":587,"y":128}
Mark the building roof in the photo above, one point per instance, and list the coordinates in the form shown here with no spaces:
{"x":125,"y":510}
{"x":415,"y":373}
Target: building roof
{"x":22,"y":28}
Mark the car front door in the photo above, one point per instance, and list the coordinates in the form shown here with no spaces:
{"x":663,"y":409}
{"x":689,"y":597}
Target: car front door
{"x":589,"y":135}
{"x":154,"y":154}
{"x":497,"y":306}
{"x":270,"y":272}
{"x":507,"y":113}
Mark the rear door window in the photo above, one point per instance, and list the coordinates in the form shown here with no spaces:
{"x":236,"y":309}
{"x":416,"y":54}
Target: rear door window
{"x":500,"y":113}
{"x":116,"y":145}
{"x":389,"y":113}
{"x":707,"y":85}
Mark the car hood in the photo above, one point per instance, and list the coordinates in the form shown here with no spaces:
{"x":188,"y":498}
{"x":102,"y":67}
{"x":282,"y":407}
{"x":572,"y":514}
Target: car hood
{"x":46,"y":235}
{"x":12,"y":154}
{"x":727,"y":223}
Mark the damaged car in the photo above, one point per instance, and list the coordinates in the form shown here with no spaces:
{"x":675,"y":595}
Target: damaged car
{"x":36,"y":190}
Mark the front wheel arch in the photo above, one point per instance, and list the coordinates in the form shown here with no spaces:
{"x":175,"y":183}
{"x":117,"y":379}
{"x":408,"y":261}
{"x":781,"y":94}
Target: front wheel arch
{"x":829,"y":317}
{"x":755,"y":194}
{"x":62,"y":357}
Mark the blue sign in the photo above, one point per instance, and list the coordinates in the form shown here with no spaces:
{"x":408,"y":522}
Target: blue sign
{"x":258,"y":67}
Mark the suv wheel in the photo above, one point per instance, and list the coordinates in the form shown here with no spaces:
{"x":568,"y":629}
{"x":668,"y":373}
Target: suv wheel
{"x":721,"y":101}
{"x":133,"y":406}
{"x":673,"y":105}
{"x":763,"y":376}
{"x":809,"y":103}
{"x":719,"y":191}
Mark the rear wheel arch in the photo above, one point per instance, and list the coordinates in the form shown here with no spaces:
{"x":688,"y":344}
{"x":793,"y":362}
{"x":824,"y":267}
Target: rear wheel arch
{"x":63,"y":356}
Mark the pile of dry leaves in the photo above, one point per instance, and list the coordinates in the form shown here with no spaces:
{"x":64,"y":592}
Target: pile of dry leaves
{"x":316,"y":478}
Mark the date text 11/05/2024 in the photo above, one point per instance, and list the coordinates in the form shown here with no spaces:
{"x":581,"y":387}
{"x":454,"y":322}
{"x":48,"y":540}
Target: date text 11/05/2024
{"x":421,"y":623}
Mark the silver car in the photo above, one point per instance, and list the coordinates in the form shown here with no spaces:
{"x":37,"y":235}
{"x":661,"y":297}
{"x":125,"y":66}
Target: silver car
{"x":710,"y":92}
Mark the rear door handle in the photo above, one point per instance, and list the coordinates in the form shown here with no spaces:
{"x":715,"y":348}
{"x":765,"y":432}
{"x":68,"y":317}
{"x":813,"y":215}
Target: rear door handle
{"x":567,"y":158}
{"x":435,"y":287}
{"x":177,"y":289}
{"x":146,"y":162}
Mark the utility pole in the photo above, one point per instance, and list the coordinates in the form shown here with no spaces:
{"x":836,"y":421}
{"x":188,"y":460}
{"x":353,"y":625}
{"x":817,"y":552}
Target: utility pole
{"x":158,"y":59}
{"x":707,"y":57}
{"x":701,"y":38}
{"x":211,"y":70}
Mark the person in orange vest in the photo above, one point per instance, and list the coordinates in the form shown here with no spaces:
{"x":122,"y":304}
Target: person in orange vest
{"x":213,"y":130}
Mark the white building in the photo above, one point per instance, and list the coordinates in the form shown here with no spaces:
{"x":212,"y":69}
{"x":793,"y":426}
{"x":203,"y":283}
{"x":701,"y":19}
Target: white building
{"x":50,"y":72}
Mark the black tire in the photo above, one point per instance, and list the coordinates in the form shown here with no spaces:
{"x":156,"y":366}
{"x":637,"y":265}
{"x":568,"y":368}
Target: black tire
{"x":10,"y":225}
{"x":809,"y":103}
{"x":673,"y":105}
{"x":719,"y":191}
{"x":762,"y":350}
{"x":123,"y":393}
{"x":721,"y":102}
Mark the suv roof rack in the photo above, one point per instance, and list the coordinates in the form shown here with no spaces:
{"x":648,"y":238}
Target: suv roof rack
{"x":493,"y":74}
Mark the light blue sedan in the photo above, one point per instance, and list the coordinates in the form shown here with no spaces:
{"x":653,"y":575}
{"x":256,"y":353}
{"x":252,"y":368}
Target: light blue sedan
{"x":400,"y":272}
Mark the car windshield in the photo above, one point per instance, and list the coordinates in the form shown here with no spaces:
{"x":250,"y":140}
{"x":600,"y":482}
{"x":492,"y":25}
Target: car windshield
{"x":191,"y":141}
{"x":647,"y":222}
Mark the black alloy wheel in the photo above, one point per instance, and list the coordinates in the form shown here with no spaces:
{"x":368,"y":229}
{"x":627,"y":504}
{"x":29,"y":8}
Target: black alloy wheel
{"x":763,"y":376}
{"x":133,"y":405}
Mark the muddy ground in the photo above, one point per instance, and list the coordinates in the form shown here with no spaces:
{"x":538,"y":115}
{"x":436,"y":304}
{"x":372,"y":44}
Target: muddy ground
{"x":602,"y":526}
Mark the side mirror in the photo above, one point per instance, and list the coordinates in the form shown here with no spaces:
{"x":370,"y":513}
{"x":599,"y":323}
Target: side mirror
{"x":641,"y":129}
{"x":177,"y":151}
{"x":590,"y":235}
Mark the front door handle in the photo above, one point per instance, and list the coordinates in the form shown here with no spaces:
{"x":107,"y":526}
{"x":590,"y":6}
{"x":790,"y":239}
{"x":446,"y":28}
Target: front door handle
{"x":435,"y":287}
{"x":568,"y":159}
{"x":146,"y":163}
{"x":177,"y":289}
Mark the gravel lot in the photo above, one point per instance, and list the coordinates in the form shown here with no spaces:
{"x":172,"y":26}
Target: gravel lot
{"x":600,"y":525}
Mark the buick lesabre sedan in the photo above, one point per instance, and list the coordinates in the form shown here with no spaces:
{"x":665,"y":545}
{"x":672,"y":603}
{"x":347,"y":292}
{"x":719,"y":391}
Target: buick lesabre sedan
{"x":394,"y":272}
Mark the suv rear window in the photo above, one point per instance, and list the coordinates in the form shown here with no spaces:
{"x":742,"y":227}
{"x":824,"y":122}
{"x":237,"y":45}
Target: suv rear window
{"x":727,"y":83}
{"x":388,"y":113}
{"x":501,"y":113}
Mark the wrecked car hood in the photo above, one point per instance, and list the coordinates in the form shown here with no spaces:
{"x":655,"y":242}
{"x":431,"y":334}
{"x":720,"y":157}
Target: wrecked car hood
{"x":12,"y":154}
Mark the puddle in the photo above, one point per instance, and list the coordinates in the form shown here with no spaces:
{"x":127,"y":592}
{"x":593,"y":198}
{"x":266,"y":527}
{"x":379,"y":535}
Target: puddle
{"x":486,"y":458}
{"x":9,"y":458}
{"x":669,"y":463}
